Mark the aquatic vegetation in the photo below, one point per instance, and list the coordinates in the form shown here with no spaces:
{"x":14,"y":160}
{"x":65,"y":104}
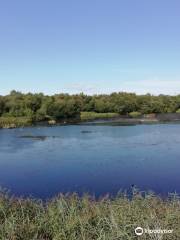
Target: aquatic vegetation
{"x":86,"y":131}
{"x":38,"y":137}
{"x":69,"y":217}
{"x":42,"y":138}
{"x":94,"y":115}
{"x":13,"y":122}
{"x":135,"y":114}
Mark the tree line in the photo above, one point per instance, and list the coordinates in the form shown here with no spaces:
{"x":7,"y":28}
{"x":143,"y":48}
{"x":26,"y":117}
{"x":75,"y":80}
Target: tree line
{"x":42,"y":107}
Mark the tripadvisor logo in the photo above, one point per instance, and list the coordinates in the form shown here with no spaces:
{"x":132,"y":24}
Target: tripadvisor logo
{"x":140,"y":231}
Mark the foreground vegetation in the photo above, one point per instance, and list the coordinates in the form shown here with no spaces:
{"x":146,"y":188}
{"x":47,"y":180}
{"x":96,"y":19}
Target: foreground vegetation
{"x":71,"y":217}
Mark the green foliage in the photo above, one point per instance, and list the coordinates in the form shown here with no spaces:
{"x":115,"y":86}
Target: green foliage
{"x":178,"y":111}
{"x":94,"y":115}
{"x":135,"y":114}
{"x":13,"y":122}
{"x":39,"y":107}
{"x":71,"y":217}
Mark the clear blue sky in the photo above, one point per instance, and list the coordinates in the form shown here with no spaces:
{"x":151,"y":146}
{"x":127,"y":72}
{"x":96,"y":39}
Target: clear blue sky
{"x":95,"y":46}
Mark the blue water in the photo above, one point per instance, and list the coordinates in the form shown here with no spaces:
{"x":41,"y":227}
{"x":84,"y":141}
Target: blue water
{"x":90,"y":158}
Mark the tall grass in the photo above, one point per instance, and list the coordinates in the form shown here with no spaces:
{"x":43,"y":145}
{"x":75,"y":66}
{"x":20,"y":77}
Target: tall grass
{"x":94,"y":115}
{"x":71,"y":217}
{"x":13,"y":122}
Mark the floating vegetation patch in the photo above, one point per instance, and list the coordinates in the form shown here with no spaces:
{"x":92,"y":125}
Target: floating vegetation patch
{"x":109,"y":123}
{"x":42,"y":138}
{"x":85,"y":131}
{"x":39,"y":137}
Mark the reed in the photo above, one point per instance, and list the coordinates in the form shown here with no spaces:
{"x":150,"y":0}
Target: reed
{"x":14,"y":122}
{"x":70,"y":217}
{"x":95,"y":115}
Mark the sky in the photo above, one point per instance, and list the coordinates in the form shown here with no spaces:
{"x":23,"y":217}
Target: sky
{"x":90,"y":46}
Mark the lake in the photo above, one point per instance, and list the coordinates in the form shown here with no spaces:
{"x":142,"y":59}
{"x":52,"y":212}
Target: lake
{"x":98,"y":159}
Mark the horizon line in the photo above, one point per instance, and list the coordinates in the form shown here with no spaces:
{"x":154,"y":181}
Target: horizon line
{"x":87,"y":94}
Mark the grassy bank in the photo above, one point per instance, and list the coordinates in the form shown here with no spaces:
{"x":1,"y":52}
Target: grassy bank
{"x":94,"y":115}
{"x":13,"y":122}
{"x":71,"y":218}
{"x":133,"y":117}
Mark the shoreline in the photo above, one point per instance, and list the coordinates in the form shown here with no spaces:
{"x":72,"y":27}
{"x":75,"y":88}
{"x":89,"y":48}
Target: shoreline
{"x":119,"y":120}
